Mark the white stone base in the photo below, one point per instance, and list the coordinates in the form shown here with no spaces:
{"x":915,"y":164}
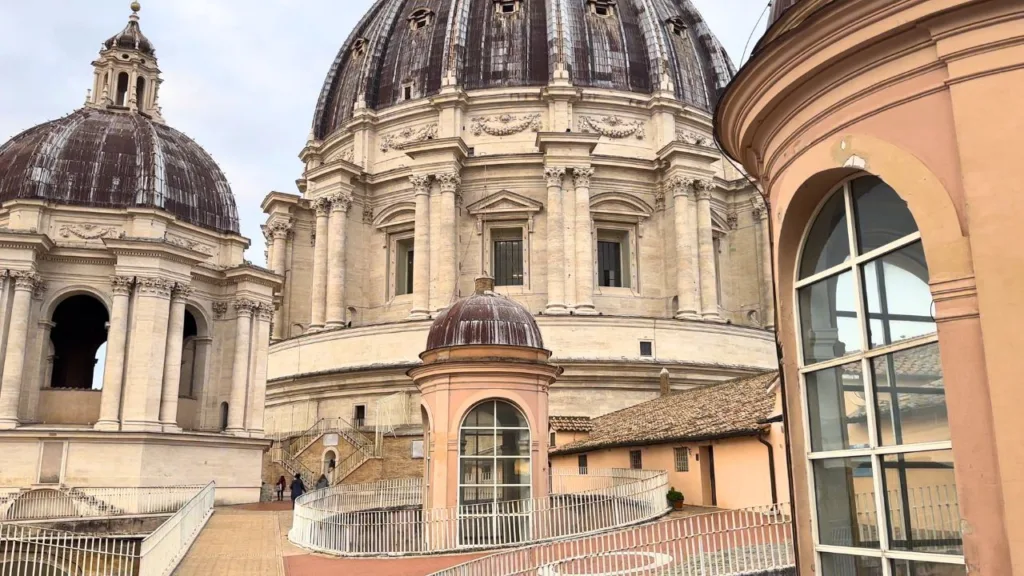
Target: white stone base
{"x":123,"y":460}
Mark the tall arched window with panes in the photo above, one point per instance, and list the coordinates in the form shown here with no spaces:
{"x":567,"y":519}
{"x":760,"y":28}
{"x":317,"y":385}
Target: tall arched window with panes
{"x":881,"y":460}
{"x":495,"y":485}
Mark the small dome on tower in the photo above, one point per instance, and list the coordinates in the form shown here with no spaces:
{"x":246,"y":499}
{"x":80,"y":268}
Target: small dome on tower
{"x":485,"y":319}
{"x":131,"y":38}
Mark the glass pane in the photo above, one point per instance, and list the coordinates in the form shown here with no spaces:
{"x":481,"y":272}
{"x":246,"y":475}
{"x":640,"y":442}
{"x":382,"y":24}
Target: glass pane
{"x":828,"y":317}
{"x":477,"y":471}
{"x":835,"y":398}
{"x":921,"y":500}
{"x":512,"y":493}
{"x":882,"y":216}
{"x":828,"y":243}
{"x":908,"y":568}
{"x":514,"y":442}
{"x":476,"y":496}
{"x":513,"y":471}
{"x":911,"y":397}
{"x":482,"y":415}
{"x":899,"y":302}
{"x":510,"y":417}
{"x":846,"y":502}
{"x":478,"y":442}
{"x":840,"y":565}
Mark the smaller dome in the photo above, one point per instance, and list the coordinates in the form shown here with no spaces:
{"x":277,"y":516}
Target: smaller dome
{"x":131,"y":38}
{"x":485,"y":319}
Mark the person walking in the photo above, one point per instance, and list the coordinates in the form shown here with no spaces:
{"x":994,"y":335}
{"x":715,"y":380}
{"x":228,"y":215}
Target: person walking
{"x":281,"y":485}
{"x":322,"y":482}
{"x":298,"y":489}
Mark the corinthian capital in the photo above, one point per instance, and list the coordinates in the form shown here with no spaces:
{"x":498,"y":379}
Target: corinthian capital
{"x":122,"y":285}
{"x":181,"y":292}
{"x":554,"y":175}
{"x":245,"y":307}
{"x":341,"y":203}
{"x":581,"y":177}
{"x":24,"y":280}
{"x":449,"y":181}
{"x":265,"y":311}
{"x":679,"y":186}
{"x":420,"y":183}
{"x":280,"y":228}
{"x":322,"y":205}
{"x":759,"y":208}
{"x":701,"y":187}
{"x":154,"y":286}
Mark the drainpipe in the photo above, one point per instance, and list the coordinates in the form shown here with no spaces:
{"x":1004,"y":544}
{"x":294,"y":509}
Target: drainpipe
{"x":771,"y":466}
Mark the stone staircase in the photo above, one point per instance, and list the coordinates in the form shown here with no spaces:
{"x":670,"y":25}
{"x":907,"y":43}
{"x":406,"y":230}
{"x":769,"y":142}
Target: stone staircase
{"x":286,"y":451}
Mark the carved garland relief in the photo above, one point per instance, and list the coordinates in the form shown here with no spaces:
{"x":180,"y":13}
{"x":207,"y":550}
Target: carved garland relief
{"x":506,"y":124}
{"x":612,"y":127}
{"x":87,"y":231}
{"x":396,"y":140}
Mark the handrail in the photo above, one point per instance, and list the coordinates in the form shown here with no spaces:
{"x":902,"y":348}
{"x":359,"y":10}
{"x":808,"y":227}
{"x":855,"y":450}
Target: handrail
{"x":388,"y":518}
{"x":162,"y":550}
{"x":287,"y":450}
{"x":27,"y":550}
{"x":726,"y":543}
{"x":62,"y":502}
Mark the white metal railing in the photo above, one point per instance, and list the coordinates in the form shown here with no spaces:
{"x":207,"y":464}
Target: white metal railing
{"x":162,"y":550}
{"x":388,"y":518}
{"x":749,"y":541}
{"x":286,"y":450}
{"x":68,"y":503}
{"x":27,"y":550}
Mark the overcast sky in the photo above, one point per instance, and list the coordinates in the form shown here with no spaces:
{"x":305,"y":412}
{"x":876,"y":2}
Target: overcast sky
{"x":241,"y":77}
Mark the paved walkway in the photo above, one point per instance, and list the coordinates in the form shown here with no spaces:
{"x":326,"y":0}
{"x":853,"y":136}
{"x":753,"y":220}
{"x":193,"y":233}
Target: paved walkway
{"x":253,"y":541}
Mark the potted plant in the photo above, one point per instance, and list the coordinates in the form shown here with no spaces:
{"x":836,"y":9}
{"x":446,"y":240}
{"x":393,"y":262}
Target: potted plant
{"x":675,"y":498}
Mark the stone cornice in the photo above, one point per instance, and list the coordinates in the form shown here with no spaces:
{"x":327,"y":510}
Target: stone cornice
{"x":122,"y":438}
{"x":274,"y":198}
{"x":155,"y":247}
{"x":254,"y":274}
{"x":25,"y":240}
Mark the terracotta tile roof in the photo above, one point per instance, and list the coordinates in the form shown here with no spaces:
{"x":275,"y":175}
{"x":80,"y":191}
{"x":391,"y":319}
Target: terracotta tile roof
{"x":571,"y":423}
{"x":734,"y":408}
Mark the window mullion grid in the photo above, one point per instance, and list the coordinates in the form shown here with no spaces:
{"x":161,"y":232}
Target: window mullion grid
{"x":878,"y":352}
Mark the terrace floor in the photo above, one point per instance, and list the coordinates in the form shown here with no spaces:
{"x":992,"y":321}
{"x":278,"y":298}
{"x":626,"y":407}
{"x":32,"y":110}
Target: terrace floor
{"x":253,"y":541}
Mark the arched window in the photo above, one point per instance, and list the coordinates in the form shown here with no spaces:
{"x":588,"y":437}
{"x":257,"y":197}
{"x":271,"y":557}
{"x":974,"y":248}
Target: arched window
{"x":223,"y":416}
{"x":122,"y":89}
{"x":494,"y":474}
{"x":881,"y":457}
{"x":140,"y":92}
{"x":79,"y":336}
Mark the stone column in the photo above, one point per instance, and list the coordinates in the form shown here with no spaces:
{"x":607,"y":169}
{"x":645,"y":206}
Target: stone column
{"x":14,"y":362}
{"x":240,"y":368}
{"x":706,"y":251}
{"x":448,"y":241}
{"x":685,"y":278}
{"x":569,"y":249}
{"x":113,"y":367}
{"x":556,"y":242}
{"x":322,"y":206}
{"x":279,"y":231}
{"x":340,"y":204}
{"x":144,"y":368}
{"x":421,"y":249}
{"x":768,"y":279}
{"x":257,"y":405}
{"x":42,"y":371}
{"x":584,"y":243}
{"x":172,"y":358}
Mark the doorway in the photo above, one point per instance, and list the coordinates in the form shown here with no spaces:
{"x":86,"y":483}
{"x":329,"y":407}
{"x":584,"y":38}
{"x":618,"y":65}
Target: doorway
{"x":707,"y":475}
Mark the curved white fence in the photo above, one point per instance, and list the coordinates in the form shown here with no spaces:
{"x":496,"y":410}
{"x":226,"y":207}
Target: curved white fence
{"x":78,"y":503}
{"x":729,"y":543}
{"x":388,"y":518}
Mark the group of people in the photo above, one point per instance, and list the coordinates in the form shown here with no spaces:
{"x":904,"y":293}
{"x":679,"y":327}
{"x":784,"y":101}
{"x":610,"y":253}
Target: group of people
{"x":298,"y":487}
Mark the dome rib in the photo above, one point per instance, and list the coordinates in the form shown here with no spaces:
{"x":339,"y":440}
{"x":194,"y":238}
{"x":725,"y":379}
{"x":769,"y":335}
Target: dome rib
{"x":485,"y":319}
{"x":631,"y":51}
{"x":117,"y":159}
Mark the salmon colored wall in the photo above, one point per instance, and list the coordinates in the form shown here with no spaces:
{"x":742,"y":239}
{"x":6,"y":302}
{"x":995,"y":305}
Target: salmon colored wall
{"x":741,"y":469}
{"x":924,"y":95}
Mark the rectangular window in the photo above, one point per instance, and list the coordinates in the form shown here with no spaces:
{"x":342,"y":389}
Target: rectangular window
{"x":359,"y":418}
{"x":507,"y":257}
{"x":581,"y":461}
{"x":613,"y":268}
{"x":717,"y":250}
{"x":551,"y":441}
{"x":646,"y":349}
{"x":682,"y":459}
{"x":636,"y":461}
{"x":405,"y":265}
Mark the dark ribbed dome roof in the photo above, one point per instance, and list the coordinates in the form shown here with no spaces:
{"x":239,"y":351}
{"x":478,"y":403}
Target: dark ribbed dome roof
{"x":131,"y":38}
{"x":779,"y":7}
{"x":624,"y":45}
{"x":117,"y":159}
{"x":485,"y":319}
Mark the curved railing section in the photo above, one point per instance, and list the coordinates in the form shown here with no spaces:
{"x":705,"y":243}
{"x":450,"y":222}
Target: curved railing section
{"x":388,"y":518}
{"x":748,"y":542}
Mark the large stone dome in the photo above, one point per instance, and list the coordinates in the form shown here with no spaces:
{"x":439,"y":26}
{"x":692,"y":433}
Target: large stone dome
{"x":409,"y":49}
{"x":485,"y":319}
{"x":111,"y":158}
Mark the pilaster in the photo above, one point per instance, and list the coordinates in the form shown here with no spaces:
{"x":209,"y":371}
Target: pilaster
{"x":25,"y":283}
{"x":113,"y":367}
{"x":685,"y":277}
{"x":449,"y":183}
{"x":322,"y":206}
{"x":180,"y":294}
{"x":421,"y":248}
{"x":244,"y":308}
{"x":556,"y":242}
{"x":706,"y":251}
{"x":145,"y":365}
{"x":584,"y":236}
{"x":340,"y":204}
